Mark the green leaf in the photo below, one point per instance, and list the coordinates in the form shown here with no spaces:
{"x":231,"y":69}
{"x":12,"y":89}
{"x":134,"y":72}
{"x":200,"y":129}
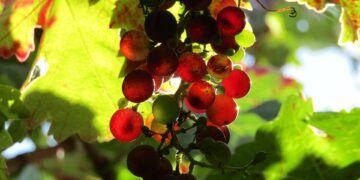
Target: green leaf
{"x":11,"y":107}
{"x":341,"y":130}
{"x":78,"y":88}
{"x":216,"y":152}
{"x":245,"y":39}
{"x":3,"y":169}
{"x":297,"y":150}
{"x":267,"y":84}
{"x":5,"y":140}
{"x":17,"y":130}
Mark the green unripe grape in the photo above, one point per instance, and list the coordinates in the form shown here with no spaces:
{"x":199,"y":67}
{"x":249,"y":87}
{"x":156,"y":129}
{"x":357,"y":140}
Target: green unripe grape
{"x":165,"y":109}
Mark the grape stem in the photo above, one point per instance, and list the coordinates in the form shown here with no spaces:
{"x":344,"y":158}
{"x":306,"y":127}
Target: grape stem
{"x":193,"y":162}
{"x":292,"y":10}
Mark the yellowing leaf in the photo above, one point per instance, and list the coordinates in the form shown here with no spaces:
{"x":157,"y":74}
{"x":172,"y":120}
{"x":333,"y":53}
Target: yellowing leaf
{"x":349,"y":19}
{"x":17,"y":22}
{"x":127,"y":14}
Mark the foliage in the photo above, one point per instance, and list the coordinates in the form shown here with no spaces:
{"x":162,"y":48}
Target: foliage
{"x":76,"y":75}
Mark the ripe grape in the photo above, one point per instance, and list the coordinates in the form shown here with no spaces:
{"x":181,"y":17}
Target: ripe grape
{"x":200,"y":94}
{"x":134,"y":45}
{"x":210,"y":132}
{"x":223,"y":111}
{"x":231,"y":20}
{"x":138,"y":86}
{"x":126,"y":124}
{"x":162,"y":61}
{"x":166,"y":4}
{"x":191,"y":67}
{"x":158,"y":80}
{"x":219,"y":66}
{"x":237,"y":84}
{"x":165,"y":109}
{"x":227,"y":45}
{"x":143,"y":161}
{"x":202,"y":29}
{"x":224,"y":129}
{"x":164,"y":170}
{"x":196,"y":5}
{"x":160,"y":25}
{"x":191,"y":108}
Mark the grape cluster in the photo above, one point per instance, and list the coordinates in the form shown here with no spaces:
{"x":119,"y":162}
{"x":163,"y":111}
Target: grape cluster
{"x":169,"y":49}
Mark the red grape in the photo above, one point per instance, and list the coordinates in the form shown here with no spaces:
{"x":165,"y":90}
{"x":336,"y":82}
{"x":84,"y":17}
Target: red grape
{"x":134,"y":45}
{"x":138,"y":86}
{"x":224,"y":129}
{"x":191,"y":67}
{"x":200,"y":95}
{"x":196,"y":5}
{"x":202,"y":29}
{"x":227,"y":45}
{"x":143,"y":161}
{"x":223,"y":111}
{"x":231,"y":20}
{"x":162,"y":61}
{"x":237,"y":84}
{"x":219,"y":66}
{"x":126,"y":124}
{"x":191,"y":108}
{"x":160,"y":25}
{"x":158,"y":80}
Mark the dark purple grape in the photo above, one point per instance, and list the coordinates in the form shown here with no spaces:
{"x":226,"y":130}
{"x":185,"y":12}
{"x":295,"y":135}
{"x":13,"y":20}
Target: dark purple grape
{"x":227,"y":45}
{"x":143,"y":161}
{"x":231,"y":20}
{"x":164,"y":170}
{"x":160,"y":25}
{"x":162,"y":61}
{"x":138,"y":86}
{"x":179,"y":177}
{"x":211,"y":132}
{"x":202,"y":29}
{"x":196,"y":5}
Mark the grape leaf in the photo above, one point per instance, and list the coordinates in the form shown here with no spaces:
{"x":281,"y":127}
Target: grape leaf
{"x":78,"y":87}
{"x":5,"y":139}
{"x":11,"y":107}
{"x":3,"y":169}
{"x":349,"y":19}
{"x":17,"y":22}
{"x":127,"y":14}
{"x":301,"y":144}
{"x":267,"y":84}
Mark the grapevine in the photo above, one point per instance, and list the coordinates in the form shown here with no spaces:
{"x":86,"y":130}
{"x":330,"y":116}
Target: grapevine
{"x":203,"y":104}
